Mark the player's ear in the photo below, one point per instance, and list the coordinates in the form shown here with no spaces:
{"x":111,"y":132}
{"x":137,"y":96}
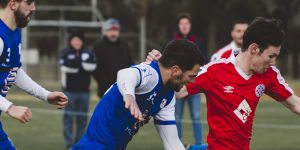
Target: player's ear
{"x":254,"y":48}
{"x":13,"y":5}
{"x":175,"y":70}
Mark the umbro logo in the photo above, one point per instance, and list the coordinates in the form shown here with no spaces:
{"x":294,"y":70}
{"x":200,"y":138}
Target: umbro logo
{"x":228,"y":89}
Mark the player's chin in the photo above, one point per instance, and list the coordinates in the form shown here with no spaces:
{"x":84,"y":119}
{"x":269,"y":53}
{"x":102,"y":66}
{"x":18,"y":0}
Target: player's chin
{"x":262,"y":71}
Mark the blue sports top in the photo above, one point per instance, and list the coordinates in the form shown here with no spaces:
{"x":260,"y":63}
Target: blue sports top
{"x":112,"y":126}
{"x":10,"y":56}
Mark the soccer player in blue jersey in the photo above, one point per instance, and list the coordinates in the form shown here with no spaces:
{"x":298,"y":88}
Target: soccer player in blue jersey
{"x":15,"y":14}
{"x":142,"y":92}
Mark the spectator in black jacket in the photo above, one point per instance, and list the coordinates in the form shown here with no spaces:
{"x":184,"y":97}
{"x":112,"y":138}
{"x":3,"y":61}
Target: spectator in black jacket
{"x":112,"y":55}
{"x":76,"y":64}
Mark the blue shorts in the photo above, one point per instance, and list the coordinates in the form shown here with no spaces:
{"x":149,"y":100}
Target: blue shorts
{"x":5,"y":143}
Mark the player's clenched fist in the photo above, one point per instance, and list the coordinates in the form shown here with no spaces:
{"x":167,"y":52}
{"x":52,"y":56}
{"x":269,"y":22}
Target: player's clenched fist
{"x":58,"y":98}
{"x":153,"y":55}
{"x":21,"y":113}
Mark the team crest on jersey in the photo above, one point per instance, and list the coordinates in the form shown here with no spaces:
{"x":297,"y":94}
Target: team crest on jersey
{"x":163,"y":103}
{"x":259,"y":90}
{"x":228,"y":89}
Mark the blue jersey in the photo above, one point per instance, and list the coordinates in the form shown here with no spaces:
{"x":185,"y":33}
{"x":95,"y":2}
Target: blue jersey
{"x":10,"y":56}
{"x":10,"y":62}
{"x":112,"y":126}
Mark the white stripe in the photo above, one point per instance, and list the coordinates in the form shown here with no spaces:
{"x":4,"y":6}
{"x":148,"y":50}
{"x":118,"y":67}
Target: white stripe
{"x":88,"y":66}
{"x":281,"y":80}
{"x":1,"y":46}
{"x":68,"y":69}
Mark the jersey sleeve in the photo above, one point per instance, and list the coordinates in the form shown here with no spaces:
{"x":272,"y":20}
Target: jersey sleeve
{"x":148,"y":76}
{"x":203,"y":82}
{"x":278,"y":88}
{"x":166,"y":116}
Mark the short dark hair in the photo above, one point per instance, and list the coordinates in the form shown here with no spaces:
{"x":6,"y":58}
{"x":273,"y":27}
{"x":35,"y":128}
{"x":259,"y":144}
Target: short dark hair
{"x":3,"y":3}
{"x":184,"y":15}
{"x":239,"y":21}
{"x":264,"y":32}
{"x":78,"y":34}
{"x":183,"y":53}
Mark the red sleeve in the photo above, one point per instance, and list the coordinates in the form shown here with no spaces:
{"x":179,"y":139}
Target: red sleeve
{"x":202,"y":82}
{"x":278,"y":88}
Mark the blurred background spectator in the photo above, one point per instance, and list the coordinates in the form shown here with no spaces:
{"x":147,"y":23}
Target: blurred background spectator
{"x":184,"y":22}
{"x":112,"y":55}
{"x":76,"y":64}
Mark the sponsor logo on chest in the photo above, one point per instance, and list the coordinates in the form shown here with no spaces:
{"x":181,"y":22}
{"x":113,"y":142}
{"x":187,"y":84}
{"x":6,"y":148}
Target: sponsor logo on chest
{"x":228,"y":89}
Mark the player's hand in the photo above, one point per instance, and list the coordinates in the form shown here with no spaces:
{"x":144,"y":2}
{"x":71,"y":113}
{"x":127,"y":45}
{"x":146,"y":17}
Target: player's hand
{"x":21,"y":113}
{"x":131,"y":104}
{"x":153,"y":55}
{"x":58,"y":98}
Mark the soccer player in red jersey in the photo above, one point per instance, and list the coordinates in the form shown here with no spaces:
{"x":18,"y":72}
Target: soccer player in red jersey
{"x":238,"y":29}
{"x":234,"y":86}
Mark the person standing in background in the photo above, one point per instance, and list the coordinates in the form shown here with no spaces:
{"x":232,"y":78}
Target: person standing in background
{"x":184,"y":22}
{"x":238,"y":29}
{"x":76,"y":64}
{"x":112,"y":55}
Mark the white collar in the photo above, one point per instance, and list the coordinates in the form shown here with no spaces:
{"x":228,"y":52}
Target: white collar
{"x":234,"y":53}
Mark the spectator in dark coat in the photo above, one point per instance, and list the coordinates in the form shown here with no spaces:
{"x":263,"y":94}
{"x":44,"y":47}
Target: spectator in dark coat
{"x":112,"y":55}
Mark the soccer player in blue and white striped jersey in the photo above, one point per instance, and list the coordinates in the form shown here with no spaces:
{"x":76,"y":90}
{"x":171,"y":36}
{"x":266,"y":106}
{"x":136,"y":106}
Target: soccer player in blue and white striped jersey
{"x":142,"y":92}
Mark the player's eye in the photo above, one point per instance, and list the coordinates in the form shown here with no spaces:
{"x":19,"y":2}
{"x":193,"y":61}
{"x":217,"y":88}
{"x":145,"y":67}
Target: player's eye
{"x":272,"y":56}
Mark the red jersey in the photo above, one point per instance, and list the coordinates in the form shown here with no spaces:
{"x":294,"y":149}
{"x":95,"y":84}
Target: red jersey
{"x":232,"y":97}
{"x":224,"y":52}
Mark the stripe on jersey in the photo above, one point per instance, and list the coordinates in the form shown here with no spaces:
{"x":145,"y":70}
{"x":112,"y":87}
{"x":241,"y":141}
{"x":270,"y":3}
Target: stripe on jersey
{"x":281,"y":80}
{"x":1,"y":46}
{"x":169,"y":122}
{"x":140,"y":82}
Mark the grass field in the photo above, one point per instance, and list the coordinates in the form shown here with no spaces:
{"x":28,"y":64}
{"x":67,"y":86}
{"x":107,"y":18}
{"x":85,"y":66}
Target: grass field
{"x":276,"y":128}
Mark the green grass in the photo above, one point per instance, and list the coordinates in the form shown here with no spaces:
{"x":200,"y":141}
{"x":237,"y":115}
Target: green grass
{"x":44,"y":131}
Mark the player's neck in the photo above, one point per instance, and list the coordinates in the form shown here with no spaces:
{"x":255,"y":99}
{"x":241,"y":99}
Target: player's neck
{"x":8,"y":18}
{"x":164,"y":73}
{"x":242,"y":61}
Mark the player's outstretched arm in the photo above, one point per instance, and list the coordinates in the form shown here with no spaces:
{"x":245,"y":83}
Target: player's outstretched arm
{"x":24,"y":82}
{"x":153,"y":55}
{"x":182,"y":93}
{"x":127,"y":80}
{"x":293,"y":103}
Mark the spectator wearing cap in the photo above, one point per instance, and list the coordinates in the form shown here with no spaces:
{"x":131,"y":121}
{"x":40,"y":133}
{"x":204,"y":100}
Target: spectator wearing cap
{"x":112,"y":55}
{"x":77,"y":65}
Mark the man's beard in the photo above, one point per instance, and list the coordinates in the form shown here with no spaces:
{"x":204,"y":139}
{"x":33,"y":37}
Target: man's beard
{"x":113,"y":38}
{"x":21,"y":19}
{"x":172,"y":84}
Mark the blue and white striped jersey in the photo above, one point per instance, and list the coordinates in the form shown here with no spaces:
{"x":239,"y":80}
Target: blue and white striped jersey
{"x":112,"y":126}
